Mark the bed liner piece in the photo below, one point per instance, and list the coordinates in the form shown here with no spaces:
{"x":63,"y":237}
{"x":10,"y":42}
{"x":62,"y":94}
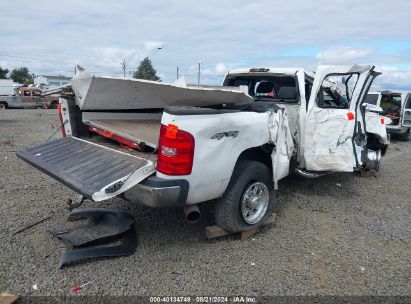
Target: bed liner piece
{"x":101,"y":224}
{"x":127,"y":247}
{"x":114,"y":223}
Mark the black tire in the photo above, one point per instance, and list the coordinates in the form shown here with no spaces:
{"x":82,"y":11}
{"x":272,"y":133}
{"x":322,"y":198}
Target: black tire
{"x":3,"y":105}
{"x":54,"y":104}
{"x":405,"y":136}
{"x":227,"y":209}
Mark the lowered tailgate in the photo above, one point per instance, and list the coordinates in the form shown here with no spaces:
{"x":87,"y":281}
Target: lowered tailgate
{"x":93,"y":170}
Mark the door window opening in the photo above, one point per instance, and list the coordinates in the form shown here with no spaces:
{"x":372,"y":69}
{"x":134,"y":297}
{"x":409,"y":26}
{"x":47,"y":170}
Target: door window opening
{"x":336,"y":91}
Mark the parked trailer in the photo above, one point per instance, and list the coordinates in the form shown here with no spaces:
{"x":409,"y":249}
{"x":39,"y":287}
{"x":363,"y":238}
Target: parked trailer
{"x":6,"y":87}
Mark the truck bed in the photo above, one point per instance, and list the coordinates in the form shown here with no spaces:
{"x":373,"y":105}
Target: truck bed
{"x":134,"y":130}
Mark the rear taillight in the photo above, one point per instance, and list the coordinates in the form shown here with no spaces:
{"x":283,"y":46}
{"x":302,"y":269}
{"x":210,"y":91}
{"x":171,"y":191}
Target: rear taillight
{"x":175,"y":151}
{"x":63,"y":131}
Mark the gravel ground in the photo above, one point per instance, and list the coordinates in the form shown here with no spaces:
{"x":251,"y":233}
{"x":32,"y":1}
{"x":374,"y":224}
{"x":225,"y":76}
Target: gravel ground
{"x":336,"y":235}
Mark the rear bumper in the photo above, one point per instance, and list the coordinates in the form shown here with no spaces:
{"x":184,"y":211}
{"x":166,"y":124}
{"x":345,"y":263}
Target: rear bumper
{"x":157,"y":192}
{"x":397,"y":130}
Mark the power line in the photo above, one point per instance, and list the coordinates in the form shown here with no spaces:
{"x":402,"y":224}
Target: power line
{"x":55,"y":61}
{"x":8,"y":54}
{"x":24,"y":54}
{"x":186,"y":73}
{"x":61,"y":57}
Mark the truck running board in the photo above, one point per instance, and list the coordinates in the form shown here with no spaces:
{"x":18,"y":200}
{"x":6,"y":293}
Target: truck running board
{"x":95,"y":171}
{"x":309,"y":174}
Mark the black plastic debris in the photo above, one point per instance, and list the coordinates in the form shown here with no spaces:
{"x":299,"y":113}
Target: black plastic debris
{"x":101,"y":225}
{"x":127,"y":247}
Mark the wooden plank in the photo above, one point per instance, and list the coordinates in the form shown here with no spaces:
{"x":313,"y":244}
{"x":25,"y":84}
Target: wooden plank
{"x":271,"y":219}
{"x":365,"y":173}
{"x":7,"y":298}
{"x":215,"y":231}
{"x":245,"y":235}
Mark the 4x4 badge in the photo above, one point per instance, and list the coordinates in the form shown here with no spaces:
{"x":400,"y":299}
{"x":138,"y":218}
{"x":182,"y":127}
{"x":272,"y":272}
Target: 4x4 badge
{"x":220,"y":135}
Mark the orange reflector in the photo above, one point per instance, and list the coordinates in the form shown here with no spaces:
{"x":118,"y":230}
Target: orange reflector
{"x":108,"y":133}
{"x":350,"y":116}
{"x":382,"y":121}
{"x":171,"y":131}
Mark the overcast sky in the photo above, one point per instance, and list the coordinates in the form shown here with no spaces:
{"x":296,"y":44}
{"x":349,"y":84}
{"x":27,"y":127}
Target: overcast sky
{"x":50,"y":37}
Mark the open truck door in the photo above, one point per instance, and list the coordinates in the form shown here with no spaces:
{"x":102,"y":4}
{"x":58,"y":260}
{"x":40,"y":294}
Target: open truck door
{"x":335,"y":130}
{"x":406,"y":116}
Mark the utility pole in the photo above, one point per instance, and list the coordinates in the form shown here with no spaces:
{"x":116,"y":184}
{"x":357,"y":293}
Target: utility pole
{"x":123,"y":66}
{"x":177,"y":72}
{"x":199,"y":69}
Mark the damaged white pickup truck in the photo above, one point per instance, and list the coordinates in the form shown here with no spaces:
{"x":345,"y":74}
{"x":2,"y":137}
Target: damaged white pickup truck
{"x":229,"y":145}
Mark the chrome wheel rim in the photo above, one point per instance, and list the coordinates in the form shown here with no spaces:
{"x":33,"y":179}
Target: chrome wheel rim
{"x":254,"y":202}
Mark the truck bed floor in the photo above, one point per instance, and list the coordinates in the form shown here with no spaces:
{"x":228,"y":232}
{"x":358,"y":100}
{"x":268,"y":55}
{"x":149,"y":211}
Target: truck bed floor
{"x":136,"y":130}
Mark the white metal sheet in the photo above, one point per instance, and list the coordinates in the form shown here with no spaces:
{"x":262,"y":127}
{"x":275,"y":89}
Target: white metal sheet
{"x":105,"y":93}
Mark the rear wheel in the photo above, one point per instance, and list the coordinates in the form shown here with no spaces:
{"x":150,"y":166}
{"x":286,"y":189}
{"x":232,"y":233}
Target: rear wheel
{"x":373,"y":160}
{"x":3,"y":105}
{"x":248,"y":200}
{"x":54,"y":104}
{"x":405,"y":136}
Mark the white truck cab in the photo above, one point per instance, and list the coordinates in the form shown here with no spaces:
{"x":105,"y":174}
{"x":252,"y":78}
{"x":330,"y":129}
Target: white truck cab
{"x":271,"y":122}
{"x":325,"y":113}
{"x":397,"y":107}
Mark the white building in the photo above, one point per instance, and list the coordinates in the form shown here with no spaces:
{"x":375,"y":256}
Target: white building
{"x":52,"y":80}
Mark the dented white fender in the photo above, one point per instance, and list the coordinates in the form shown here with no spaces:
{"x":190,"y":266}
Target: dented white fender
{"x":214,"y":159}
{"x":281,"y":137}
{"x":376,"y":124}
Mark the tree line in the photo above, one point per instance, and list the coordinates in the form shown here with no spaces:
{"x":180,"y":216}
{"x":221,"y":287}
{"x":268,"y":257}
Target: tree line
{"x":22,"y":75}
